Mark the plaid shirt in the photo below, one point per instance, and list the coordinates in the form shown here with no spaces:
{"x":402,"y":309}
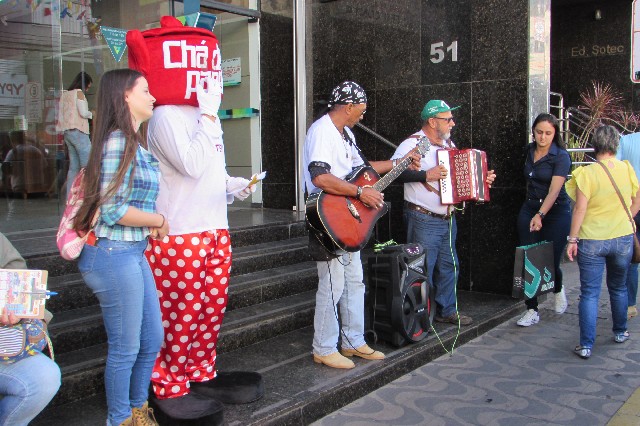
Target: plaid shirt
{"x":142,"y":194}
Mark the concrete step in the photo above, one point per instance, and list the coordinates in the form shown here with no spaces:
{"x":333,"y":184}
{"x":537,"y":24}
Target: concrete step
{"x":39,"y":248}
{"x":273,"y":254}
{"x":83,"y":367}
{"x":250,"y":235}
{"x":272,"y":259}
{"x":298,"y":391}
{"x":74,"y":329}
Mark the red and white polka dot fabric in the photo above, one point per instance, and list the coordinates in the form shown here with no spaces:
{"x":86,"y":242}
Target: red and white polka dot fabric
{"x":192,"y":277}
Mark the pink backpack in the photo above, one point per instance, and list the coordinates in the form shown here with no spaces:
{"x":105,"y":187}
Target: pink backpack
{"x":70,"y":242}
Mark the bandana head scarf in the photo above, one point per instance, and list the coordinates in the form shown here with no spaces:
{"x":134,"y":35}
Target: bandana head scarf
{"x":348,"y":92}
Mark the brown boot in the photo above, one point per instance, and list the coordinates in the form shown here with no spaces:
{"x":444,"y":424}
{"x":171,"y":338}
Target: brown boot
{"x":143,"y":416}
{"x":334,"y":360}
{"x":128,"y":422}
{"x":363,"y":351}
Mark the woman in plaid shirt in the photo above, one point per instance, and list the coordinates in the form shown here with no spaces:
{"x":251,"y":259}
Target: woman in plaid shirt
{"x":121,"y":181}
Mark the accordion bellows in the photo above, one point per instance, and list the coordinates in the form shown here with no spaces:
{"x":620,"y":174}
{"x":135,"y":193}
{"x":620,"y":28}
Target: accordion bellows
{"x":466,"y":175}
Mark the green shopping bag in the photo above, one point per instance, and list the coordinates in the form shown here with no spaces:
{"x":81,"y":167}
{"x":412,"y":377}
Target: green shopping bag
{"x":533,"y":270}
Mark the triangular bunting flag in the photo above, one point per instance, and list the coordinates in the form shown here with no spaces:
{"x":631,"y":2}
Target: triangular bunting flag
{"x":116,"y":40}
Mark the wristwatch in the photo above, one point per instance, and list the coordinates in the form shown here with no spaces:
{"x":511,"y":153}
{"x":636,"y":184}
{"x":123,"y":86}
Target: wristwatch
{"x":541,"y":215}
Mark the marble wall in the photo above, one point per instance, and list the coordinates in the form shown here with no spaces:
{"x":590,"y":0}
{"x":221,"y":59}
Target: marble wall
{"x":277,"y":111}
{"x":472,"y":53}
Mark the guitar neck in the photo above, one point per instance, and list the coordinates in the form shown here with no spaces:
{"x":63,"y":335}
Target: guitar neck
{"x":392,"y":175}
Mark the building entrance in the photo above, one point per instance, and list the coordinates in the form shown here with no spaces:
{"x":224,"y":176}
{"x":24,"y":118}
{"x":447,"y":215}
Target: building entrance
{"x":238,"y":35}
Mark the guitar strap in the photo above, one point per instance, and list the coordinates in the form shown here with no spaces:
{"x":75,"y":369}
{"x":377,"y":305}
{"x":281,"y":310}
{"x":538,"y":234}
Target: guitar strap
{"x":348,"y":139}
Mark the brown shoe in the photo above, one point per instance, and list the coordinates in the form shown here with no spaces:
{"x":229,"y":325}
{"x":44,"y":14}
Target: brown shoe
{"x":632,"y":311}
{"x":128,"y":422}
{"x":363,"y":351}
{"x":453,"y":319}
{"x":143,"y":416}
{"x":334,"y":360}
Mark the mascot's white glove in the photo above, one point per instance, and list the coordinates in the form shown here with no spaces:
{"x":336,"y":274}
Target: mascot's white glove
{"x":209,"y":99}
{"x":237,"y":187}
{"x":245,"y":192}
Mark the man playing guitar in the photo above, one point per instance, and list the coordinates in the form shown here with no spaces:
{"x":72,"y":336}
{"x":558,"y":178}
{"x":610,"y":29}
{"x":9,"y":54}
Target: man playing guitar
{"x":330,"y":154}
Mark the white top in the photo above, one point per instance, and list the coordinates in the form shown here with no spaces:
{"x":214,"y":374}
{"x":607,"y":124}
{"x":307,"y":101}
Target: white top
{"x":325,"y":143}
{"x":73,"y":113}
{"x":193,"y":176}
{"x":416,"y":192}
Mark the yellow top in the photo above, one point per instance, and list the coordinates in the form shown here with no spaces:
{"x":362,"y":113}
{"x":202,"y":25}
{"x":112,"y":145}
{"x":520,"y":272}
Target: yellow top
{"x":605,"y":218}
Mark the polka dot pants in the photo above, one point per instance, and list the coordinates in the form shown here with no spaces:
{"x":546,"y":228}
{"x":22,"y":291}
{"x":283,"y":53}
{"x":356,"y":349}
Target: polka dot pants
{"x":192,"y":276}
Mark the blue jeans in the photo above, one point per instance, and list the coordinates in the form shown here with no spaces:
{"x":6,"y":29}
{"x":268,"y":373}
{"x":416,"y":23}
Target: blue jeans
{"x":79,"y":147}
{"x":340,"y":283}
{"x":26,"y":388}
{"x":439,"y":240}
{"x":120,"y":277}
{"x":555,"y":228}
{"x":593,"y":255}
{"x":632,"y":272}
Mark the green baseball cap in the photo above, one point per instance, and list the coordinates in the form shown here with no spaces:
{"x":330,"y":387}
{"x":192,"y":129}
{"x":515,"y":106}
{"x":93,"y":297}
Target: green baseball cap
{"x":434,"y":107}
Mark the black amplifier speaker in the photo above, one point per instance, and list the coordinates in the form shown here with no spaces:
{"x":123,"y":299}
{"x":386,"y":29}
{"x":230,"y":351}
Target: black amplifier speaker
{"x":399,"y":300}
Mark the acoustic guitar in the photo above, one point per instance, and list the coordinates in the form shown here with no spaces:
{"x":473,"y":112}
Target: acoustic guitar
{"x":342,"y":222}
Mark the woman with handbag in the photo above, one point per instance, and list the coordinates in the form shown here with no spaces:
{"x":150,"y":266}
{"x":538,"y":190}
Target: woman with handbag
{"x":546,"y":214}
{"x":74,"y":122}
{"x":607,"y":197}
{"x":121,"y":180}
{"x":28,"y":379}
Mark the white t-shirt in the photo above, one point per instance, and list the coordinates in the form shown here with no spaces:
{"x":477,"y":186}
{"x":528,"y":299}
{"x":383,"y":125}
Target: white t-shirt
{"x":416,"y":192}
{"x":193,"y":180}
{"x":324,"y":143}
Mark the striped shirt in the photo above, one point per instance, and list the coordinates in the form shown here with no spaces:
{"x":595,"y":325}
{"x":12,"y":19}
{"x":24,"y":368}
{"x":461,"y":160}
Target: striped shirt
{"x":142,"y":194}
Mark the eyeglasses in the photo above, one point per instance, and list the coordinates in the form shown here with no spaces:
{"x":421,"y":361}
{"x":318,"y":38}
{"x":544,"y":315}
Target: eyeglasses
{"x":447,"y":119}
{"x":361,"y":113}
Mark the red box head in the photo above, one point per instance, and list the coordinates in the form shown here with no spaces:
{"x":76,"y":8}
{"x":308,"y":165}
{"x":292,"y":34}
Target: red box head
{"x":174,"y":58}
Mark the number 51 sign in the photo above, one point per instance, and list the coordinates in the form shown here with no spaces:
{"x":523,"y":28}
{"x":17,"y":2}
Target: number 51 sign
{"x":438,"y":52}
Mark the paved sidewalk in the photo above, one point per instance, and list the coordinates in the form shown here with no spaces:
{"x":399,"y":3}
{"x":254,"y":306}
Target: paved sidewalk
{"x":517,"y":376}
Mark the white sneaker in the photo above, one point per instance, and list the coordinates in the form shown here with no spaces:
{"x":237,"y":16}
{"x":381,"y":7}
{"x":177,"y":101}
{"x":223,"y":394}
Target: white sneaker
{"x":561,"y":302}
{"x":530,"y":317}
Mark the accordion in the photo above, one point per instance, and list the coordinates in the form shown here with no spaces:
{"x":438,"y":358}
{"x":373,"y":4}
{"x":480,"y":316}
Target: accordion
{"x":466,"y":178}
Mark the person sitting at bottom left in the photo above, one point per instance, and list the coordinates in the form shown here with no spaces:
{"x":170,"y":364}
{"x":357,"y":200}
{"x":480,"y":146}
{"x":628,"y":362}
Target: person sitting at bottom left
{"x":26,"y":385}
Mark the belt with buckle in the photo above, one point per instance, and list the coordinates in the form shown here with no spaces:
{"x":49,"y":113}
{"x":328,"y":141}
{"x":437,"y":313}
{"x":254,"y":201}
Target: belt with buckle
{"x":421,"y":209}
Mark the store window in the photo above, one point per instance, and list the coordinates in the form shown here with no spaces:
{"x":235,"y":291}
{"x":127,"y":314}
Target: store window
{"x":43,"y":47}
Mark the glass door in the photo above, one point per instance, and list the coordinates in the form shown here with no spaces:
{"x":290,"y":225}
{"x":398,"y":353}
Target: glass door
{"x":238,"y":35}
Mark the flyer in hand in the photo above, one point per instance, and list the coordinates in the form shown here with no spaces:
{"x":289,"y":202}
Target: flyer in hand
{"x":23,"y":292}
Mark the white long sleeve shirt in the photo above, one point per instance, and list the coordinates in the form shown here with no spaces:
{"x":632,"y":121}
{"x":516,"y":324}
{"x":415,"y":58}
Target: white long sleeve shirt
{"x":190,"y":150}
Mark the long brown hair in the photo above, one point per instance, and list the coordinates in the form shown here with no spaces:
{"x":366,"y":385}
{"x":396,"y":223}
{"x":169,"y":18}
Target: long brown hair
{"x":112,"y":114}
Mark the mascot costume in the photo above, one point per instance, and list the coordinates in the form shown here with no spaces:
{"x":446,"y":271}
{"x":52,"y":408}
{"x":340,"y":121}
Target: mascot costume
{"x":191,"y":265}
